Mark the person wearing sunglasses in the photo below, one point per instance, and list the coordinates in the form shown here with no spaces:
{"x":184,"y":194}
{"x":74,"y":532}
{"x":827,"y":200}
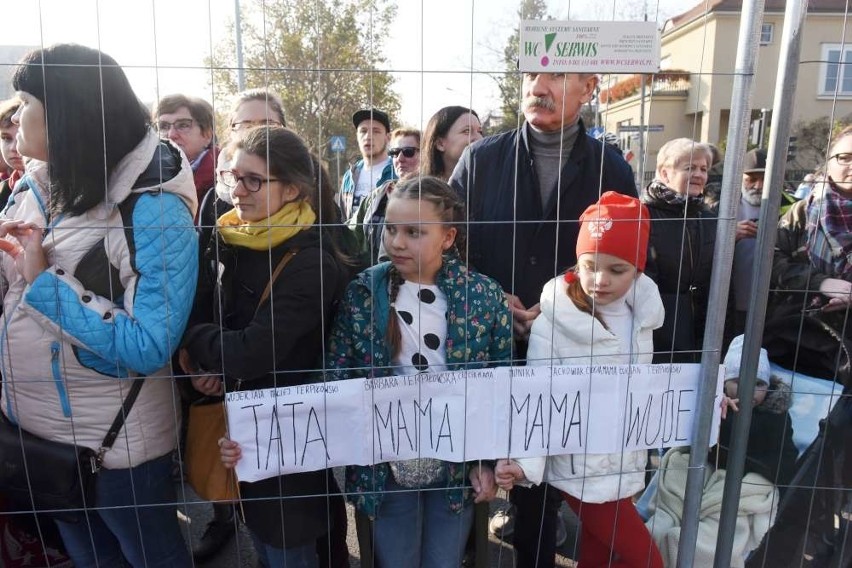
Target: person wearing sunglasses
{"x":188,"y":123}
{"x":405,"y":151}
{"x":369,"y":218}
{"x":237,"y":340}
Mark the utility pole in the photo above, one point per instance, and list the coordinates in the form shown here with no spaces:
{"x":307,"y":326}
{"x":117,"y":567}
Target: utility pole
{"x":238,"y":33}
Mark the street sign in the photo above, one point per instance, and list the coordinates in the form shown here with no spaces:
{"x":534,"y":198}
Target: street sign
{"x":637,"y":128}
{"x":595,"y":131}
{"x":338,"y":144}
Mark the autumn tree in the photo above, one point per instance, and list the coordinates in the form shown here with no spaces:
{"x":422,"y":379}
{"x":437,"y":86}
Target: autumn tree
{"x":322,"y":58}
{"x":509,"y":82}
{"x":812,"y":139}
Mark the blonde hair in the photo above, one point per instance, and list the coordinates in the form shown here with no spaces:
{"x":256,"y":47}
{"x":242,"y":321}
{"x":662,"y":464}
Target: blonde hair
{"x":674,"y":151}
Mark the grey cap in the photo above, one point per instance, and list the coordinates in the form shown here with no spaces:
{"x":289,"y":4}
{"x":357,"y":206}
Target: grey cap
{"x":755,"y":162}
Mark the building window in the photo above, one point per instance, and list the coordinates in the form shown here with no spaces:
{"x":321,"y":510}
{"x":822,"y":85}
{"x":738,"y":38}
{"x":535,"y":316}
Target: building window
{"x":836,"y":71}
{"x":766,"y":33}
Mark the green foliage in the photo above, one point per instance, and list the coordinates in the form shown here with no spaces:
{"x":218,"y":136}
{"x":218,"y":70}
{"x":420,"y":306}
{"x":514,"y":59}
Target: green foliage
{"x":324,"y":59}
{"x":510,"y":82}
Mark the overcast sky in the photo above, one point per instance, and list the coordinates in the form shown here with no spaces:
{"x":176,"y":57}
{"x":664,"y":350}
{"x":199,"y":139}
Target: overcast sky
{"x":439,"y":50}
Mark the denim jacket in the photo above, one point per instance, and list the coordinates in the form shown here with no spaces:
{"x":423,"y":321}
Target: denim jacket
{"x":479,"y":334}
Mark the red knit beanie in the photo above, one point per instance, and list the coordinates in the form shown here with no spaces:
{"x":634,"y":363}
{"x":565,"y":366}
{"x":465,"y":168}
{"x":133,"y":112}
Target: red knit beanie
{"x":618,"y":225}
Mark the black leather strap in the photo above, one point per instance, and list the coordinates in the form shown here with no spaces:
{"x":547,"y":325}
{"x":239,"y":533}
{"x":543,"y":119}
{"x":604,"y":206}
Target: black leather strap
{"x":118,"y":423}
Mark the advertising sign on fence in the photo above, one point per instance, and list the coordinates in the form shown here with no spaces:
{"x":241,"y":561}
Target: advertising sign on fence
{"x":548,"y":46}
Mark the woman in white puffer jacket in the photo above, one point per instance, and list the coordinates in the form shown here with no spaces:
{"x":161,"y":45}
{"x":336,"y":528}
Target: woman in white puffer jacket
{"x":603,"y":311}
{"x":97,"y":278}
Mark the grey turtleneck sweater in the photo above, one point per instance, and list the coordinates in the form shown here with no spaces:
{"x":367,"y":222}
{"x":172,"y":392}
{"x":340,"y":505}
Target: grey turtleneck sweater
{"x":549,"y":151}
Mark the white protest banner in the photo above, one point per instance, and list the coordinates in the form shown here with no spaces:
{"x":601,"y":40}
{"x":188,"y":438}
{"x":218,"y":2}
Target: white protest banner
{"x":464,"y":416}
{"x":549,"y":409}
{"x":548,"y":46}
{"x":414,"y":416}
{"x":655,"y":417}
{"x":299,"y":428}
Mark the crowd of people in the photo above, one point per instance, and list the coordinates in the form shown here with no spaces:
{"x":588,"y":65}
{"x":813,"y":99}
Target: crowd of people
{"x":148,"y":267}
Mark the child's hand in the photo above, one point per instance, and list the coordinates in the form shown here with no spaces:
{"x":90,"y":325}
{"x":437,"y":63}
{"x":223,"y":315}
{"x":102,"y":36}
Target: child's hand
{"x":482,"y":479}
{"x":507,"y":473}
{"x":522,"y":317}
{"x":229,"y":452}
{"x":729,"y":403}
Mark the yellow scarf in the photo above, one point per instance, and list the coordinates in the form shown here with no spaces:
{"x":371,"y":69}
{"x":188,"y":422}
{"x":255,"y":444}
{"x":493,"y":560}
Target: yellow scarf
{"x":261,"y":235}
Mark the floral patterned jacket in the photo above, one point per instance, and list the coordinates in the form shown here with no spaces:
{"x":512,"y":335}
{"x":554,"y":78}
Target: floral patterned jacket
{"x":479,"y":334}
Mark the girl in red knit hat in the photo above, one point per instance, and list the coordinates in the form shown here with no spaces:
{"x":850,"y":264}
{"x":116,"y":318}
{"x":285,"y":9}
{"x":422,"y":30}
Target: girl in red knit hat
{"x":602,"y":311}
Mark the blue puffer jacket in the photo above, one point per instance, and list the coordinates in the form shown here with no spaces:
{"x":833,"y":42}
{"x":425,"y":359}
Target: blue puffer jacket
{"x":479,"y":334}
{"x":112,"y":304}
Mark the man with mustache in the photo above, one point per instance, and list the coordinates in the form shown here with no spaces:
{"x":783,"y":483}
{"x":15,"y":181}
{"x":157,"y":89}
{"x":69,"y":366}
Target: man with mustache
{"x":525,"y":190}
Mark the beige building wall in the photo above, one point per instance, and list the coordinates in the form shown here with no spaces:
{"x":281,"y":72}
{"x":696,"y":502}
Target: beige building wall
{"x":707,"y":48}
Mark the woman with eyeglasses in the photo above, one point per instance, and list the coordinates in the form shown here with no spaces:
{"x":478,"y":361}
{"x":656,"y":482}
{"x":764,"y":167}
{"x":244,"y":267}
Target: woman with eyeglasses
{"x":188,"y":123}
{"x":251,"y":108}
{"x":99,"y":274}
{"x":240,"y":340}
{"x":449,"y":132}
{"x":814,"y":248}
{"x":807,"y":331}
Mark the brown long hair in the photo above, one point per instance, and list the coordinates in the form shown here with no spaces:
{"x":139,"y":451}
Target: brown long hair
{"x":289,"y":160}
{"x":450,"y":209}
{"x":582,"y":301}
{"x":432,"y":159}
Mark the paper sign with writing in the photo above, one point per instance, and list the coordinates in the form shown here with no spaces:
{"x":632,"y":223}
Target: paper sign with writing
{"x":298,"y":428}
{"x":589,"y":47}
{"x":464,"y":416}
{"x":417,"y":416}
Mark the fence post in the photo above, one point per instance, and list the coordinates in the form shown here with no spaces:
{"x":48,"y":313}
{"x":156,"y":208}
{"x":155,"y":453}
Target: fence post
{"x":723,"y":257}
{"x":785,"y":92}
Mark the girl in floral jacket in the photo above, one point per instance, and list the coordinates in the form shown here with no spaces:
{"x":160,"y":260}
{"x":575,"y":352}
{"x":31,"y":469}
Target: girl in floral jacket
{"x":424,"y":311}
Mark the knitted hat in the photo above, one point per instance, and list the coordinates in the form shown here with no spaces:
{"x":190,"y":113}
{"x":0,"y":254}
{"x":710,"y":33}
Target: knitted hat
{"x":735,"y":355}
{"x":618,"y":225}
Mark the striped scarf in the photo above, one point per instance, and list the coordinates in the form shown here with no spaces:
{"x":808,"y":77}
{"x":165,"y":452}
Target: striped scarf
{"x":829,"y":232}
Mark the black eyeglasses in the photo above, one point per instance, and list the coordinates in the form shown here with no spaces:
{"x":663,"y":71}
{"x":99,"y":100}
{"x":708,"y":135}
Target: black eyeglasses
{"x":407,"y":151}
{"x":843,"y":158}
{"x":182,"y":125}
{"x":250,"y":181}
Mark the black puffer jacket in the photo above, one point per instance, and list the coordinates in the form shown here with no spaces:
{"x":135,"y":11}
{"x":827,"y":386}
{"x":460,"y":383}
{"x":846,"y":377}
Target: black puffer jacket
{"x":680,"y":261}
{"x":770,"y":450}
{"x":511,"y":237}
{"x":249,"y":344}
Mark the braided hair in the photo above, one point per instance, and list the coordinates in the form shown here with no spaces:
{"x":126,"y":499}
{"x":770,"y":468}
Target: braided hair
{"x":451,"y":210}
